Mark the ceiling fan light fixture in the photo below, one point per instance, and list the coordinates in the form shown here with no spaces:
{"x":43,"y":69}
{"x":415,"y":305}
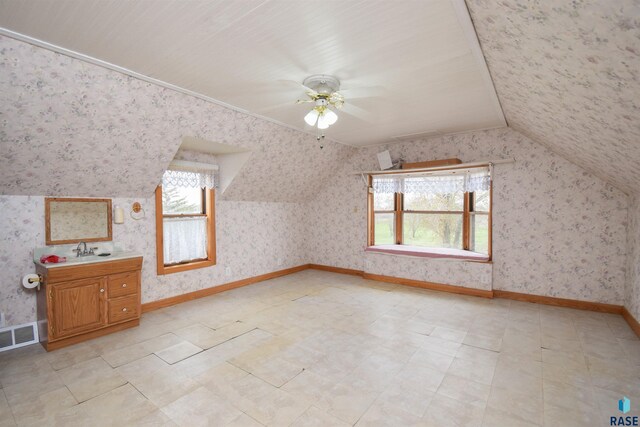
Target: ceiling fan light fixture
{"x":323,"y":122}
{"x":312,"y":117}
{"x":322,"y":91}
{"x":330,"y":116}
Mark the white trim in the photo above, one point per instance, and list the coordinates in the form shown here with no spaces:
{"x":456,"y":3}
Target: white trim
{"x":113,"y":67}
{"x":186,"y":164}
{"x":464,"y":18}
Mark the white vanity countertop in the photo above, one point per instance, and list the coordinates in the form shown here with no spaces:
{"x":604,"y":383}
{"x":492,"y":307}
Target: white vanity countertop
{"x":117,"y":253}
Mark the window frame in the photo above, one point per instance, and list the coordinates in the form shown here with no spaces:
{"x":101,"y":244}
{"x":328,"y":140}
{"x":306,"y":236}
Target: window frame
{"x":467,"y":213}
{"x":209,"y":210}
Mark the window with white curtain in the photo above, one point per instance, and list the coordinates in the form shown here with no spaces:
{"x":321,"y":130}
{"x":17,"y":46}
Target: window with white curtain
{"x":185,"y":220}
{"x":445,"y":209}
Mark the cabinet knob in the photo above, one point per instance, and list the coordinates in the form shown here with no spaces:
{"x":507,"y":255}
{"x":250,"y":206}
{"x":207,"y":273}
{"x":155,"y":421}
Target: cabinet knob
{"x":124,"y":309}
{"x":124,"y":285}
{"x":101,"y":290}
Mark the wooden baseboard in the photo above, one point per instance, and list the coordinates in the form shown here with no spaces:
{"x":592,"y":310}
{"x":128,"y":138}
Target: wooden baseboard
{"x":560,"y":302}
{"x":64,"y":342}
{"x":632,"y":321}
{"x":461,"y":290}
{"x":167,"y":302}
{"x":429,"y":285}
{"x":336,"y":269}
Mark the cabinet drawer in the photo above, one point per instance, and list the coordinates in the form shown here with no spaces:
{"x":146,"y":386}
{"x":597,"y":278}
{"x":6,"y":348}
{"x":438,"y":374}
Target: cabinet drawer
{"x":123,"y":284}
{"x":124,"y":308}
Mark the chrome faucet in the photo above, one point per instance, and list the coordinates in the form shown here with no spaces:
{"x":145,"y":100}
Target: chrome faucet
{"x":84,"y":251}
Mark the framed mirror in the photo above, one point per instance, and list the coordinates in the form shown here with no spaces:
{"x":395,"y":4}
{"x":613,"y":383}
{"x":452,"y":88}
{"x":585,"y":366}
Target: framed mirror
{"x":72,"y":220}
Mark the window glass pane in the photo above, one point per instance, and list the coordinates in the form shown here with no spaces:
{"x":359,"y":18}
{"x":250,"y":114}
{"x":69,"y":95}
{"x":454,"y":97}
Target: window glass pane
{"x":434,"y":202}
{"x":184,"y":239}
{"x":384,"y":228}
{"x":433,"y":230}
{"x":481,"y":201}
{"x":383,"y":202}
{"x":181,"y":200}
{"x":479,"y":233}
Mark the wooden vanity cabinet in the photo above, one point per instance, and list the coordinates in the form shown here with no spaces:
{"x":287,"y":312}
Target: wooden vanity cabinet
{"x":77,"y":306}
{"x":79,"y":302}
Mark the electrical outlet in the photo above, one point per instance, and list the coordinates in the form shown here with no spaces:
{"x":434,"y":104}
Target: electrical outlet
{"x":227,"y":271}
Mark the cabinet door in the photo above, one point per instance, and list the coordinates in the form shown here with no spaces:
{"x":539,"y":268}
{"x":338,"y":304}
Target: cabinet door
{"x":78,"y":306}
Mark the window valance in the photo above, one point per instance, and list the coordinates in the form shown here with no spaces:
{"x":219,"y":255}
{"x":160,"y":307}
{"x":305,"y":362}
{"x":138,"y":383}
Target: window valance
{"x":444,"y":182}
{"x":190,"y":174}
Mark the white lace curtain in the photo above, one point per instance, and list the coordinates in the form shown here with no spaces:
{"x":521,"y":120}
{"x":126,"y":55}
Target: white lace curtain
{"x":193,"y":179}
{"x":478,"y":179}
{"x":184,"y":239}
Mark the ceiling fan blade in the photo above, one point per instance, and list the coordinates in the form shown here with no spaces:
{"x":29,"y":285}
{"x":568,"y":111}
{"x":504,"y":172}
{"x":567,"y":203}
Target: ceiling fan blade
{"x":300,"y":86}
{"x":336,"y":98}
{"x":363,"y":92}
{"x":276,"y":107}
{"x":357,"y":112}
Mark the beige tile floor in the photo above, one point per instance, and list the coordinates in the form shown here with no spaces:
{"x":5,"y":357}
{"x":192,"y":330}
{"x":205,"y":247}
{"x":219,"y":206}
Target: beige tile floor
{"x":323,"y":349}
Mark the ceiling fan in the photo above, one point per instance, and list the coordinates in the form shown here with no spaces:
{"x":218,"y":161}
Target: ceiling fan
{"x":322,"y":91}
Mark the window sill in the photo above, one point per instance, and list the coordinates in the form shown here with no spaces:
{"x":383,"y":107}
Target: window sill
{"x":176,"y":268}
{"x":440,"y":253}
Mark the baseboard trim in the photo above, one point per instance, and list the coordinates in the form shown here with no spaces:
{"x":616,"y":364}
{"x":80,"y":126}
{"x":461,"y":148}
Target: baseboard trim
{"x":168,"y":302}
{"x":632,"y":321}
{"x":430,"y":285}
{"x":461,"y":290}
{"x":560,"y":302}
{"x":336,"y":269}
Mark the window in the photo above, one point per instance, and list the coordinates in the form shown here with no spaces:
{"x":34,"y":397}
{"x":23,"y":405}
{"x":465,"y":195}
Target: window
{"x":479,"y":218}
{"x":185,"y":223}
{"x":449,"y":210}
{"x":385,"y":207}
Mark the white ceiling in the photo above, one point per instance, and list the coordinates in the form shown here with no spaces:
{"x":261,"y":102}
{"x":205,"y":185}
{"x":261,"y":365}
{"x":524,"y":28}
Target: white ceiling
{"x":420,"y":59}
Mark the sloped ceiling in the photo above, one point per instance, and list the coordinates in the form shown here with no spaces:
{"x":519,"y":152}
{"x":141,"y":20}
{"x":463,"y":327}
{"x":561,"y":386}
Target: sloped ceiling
{"x":69,"y":128}
{"x":568,"y":76}
{"x":405,"y":67}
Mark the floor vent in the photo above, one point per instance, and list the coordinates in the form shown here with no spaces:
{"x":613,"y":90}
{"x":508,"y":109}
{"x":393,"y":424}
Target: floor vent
{"x":18,"y":336}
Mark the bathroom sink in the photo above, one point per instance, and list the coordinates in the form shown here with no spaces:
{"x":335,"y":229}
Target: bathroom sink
{"x":89,"y":259}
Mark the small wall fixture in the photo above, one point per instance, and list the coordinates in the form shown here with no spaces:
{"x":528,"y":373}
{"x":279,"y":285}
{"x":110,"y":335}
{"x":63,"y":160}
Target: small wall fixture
{"x":136,"y":208}
{"x":118,"y":215}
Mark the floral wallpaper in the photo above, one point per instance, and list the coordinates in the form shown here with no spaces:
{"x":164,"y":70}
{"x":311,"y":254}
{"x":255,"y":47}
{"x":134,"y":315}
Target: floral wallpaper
{"x":21,"y":230}
{"x":632,"y":301}
{"x":567,"y":76}
{"x":253,"y":238}
{"x":558,"y":230}
{"x":69,"y":127}
{"x":73,"y":129}
{"x":452,"y":272}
